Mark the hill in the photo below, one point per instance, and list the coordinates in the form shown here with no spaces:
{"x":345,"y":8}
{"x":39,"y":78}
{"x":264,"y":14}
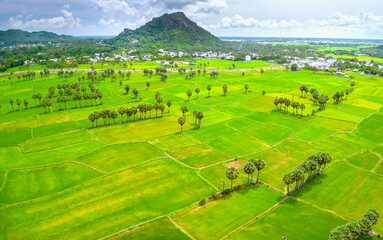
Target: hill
{"x":15,"y":35}
{"x":170,"y":31}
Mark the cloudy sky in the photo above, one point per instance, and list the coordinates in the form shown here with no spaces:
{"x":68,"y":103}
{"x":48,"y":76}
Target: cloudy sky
{"x":257,"y":18}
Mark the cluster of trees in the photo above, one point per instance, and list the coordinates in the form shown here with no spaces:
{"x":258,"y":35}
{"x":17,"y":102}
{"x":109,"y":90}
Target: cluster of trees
{"x":141,"y":109}
{"x":18,"y":103}
{"x":198,"y":115}
{"x":313,"y":166}
{"x":285,"y":102}
{"x":249,"y":168}
{"x":338,"y":96}
{"x":135,"y":91}
{"x":354,"y":230}
{"x":214,"y":74}
{"x":148,"y":72}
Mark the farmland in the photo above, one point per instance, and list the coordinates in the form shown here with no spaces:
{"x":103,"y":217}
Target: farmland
{"x":61,"y":178}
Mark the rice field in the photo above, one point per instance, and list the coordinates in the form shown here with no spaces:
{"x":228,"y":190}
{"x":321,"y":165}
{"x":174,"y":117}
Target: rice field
{"x":61,"y":178}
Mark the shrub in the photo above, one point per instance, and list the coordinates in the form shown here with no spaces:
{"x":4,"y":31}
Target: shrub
{"x":202,"y":202}
{"x":215,"y":195}
{"x":226,"y":191}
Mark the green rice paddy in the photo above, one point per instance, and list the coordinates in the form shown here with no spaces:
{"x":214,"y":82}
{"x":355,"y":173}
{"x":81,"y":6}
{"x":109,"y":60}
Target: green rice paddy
{"x":62,"y":179}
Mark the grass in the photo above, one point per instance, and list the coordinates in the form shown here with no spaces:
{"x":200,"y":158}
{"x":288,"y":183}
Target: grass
{"x":80,"y":182}
{"x":282,"y":222}
{"x":219,"y":218}
{"x":159,"y":229}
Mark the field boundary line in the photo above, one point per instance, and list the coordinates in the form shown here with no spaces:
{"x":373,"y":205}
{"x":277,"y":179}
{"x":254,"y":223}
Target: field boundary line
{"x":86,"y":165}
{"x":4,"y":180}
{"x":172,"y":158}
{"x":79,"y":184}
{"x":370,"y":171}
{"x":181,"y":228}
{"x":378,"y":163}
{"x":322,"y":209}
{"x":207,"y":181}
{"x":132,"y":227}
{"x":255,"y":218}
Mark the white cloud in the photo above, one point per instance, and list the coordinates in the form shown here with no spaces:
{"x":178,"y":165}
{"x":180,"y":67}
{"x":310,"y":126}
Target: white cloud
{"x":115,"y":7}
{"x":60,"y":22}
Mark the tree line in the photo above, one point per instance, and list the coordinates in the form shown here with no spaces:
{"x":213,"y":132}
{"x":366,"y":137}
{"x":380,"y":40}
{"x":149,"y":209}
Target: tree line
{"x":354,"y":230}
{"x":313,"y":166}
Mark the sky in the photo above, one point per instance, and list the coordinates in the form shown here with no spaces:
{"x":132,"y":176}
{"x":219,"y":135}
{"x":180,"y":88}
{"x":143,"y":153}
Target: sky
{"x":244,"y":18}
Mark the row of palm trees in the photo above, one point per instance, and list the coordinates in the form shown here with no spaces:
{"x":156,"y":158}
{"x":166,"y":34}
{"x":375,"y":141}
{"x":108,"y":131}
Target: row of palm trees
{"x":142,"y":109}
{"x":338,"y":96}
{"x":354,"y":230}
{"x":313,"y":166}
{"x":249,"y":168}
{"x":285,"y":102}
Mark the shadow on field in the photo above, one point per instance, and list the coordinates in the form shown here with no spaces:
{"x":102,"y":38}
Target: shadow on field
{"x":313,"y":183}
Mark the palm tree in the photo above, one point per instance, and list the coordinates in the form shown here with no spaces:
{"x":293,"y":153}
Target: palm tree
{"x":288,"y":179}
{"x":249,"y":169}
{"x":287,"y":103}
{"x":121,"y":111}
{"x":113,"y":115}
{"x":162,"y":108}
{"x":150,"y":107}
{"x":302,"y":107}
{"x":276,"y":102}
{"x":11,"y":102}
{"x":259,"y":165}
{"x":134,"y":111}
{"x":189,"y":93}
{"x":184,"y":110}
{"x":224,"y":88}
{"x":26,"y":104}
{"x":91,"y":118}
{"x":181,"y":121}
{"x":197,"y":91}
{"x":159,"y":99}
{"x":246,"y":88}
{"x":352,"y":84}
{"x":64,"y":100}
{"x":199,"y":116}
{"x":208,"y":88}
{"x":99,"y":95}
{"x":312,"y":166}
{"x":18,"y":102}
{"x":195,"y":116}
{"x":169,"y":104}
{"x":232,"y":173}
{"x":96,"y":116}
{"x":135,"y":92}
{"x":34,"y":96}
{"x":297,"y":175}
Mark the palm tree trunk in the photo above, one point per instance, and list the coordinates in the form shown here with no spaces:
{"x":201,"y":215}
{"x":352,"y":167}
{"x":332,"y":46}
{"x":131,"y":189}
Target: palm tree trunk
{"x":257,"y":176}
{"x":248,"y":178}
{"x":231,"y":188}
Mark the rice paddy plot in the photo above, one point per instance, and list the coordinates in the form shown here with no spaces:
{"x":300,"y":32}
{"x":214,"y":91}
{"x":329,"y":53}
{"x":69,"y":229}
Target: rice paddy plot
{"x":338,"y":148}
{"x":27,"y":184}
{"x":365,"y":160}
{"x":346,"y":190}
{"x":219,"y":218}
{"x":55,"y":141}
{"x":199,"y":155}
{"x":12,"y":157}
{"x":117,"y":157}
{"x":283,"y":222}
{"x":14,"y":136}
{"x":108,"y":204}
{"x":237,"y":144}
{"x":268,"y":133}
{"x":158,"y":229}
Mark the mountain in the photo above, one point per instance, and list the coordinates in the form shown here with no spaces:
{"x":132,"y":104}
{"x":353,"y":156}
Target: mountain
{"x":170,"y":31}
{"x":14,"y":35}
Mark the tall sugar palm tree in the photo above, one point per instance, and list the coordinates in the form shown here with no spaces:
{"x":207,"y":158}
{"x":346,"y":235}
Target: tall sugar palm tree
{"x":184,"y":110}
{"x":209,"y":89}
{"x":288,"y":179}
{"x":96,"y":117}
{"x":302,"y":107}
{"x":224,"y":88}
{"x":121,"y":111}
{"x":189,"y":93}
{"x":169,"y":104}
{"x":246,"y":88}
{"x":197,"y":91}
{"x":199,"y":116}
{"x":128,"y":113}
{"x":259,"y":165}
{"x":11,"y":102}
{"x":91,"y":118}
{"x":181,"y":122}
{"x":18,"y":102}
{"x":26,"y":103}
{"x":249,"y":169}
{"x":232,"y":173}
